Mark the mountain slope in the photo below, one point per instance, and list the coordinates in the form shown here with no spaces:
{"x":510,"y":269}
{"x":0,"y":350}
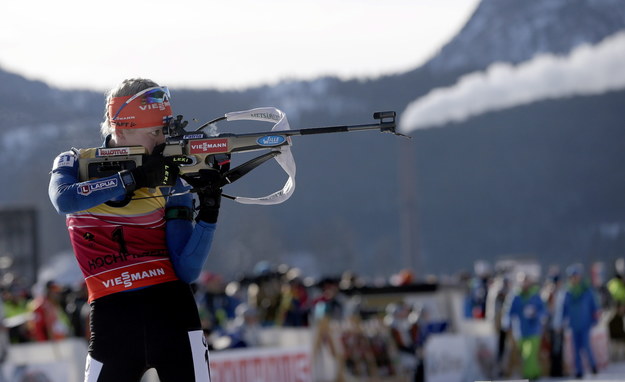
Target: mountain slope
{"x":544,"y":180}
{"x":515,"y":31}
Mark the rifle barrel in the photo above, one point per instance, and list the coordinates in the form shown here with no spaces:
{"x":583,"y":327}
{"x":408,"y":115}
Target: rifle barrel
{"x":334,"y":129}
{"x":383,"y":124}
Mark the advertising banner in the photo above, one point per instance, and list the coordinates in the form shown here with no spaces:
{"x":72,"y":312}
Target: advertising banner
{"x":262,"y":365}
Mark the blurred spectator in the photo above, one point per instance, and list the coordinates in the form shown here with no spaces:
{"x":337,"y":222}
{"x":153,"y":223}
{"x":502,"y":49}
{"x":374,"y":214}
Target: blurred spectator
{"x":264,"y":293}
{"x":216,"y":308}
{"x":599,"y":285}
{"x":245,"y":331}
{"x":475,"y":303}
{"x":78,"y":311}
{"x":525,"y":315}
{"x":424,"y":328}
{"x":294,"y":303}
{"x":580,"y":313}
{"x":404,"y":332}
{"x":329,"y":303}
{"x":496,"y":296}
{"x":50,"y":322}
{"x":616,"y":285}
{"x":17,"y":315}
{"x":553,"y":294}
{"x":4,"y":342}
{"x":364,"y":353}
{"x":616,"y":330}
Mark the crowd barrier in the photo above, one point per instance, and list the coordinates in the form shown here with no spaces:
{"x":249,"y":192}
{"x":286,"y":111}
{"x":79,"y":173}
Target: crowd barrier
{"x":53,"y":361}
{"x":459,"y":358}
{"x":329,"y":352}
{"x":262,"y":364}
{"x":64,"y":361}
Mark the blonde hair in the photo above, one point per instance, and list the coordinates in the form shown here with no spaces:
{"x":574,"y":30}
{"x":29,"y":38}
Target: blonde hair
{"x":126,"y":88}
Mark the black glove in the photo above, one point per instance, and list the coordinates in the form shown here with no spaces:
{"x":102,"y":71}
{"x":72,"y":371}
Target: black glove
{"x":156,"y":170}
{"x":207,"y":184}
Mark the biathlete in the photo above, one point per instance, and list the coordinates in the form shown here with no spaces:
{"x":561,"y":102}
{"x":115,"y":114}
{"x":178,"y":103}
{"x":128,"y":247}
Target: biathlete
{"x":139,"y":243}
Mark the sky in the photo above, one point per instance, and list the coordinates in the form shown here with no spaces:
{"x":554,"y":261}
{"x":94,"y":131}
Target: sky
{"x":77,"y":44}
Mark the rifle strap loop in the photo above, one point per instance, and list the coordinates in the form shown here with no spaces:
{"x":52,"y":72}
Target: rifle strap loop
{"x":285,"y":159}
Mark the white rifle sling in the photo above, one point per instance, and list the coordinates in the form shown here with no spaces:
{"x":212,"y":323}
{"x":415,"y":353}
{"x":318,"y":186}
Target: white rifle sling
{"x":285,"y":159}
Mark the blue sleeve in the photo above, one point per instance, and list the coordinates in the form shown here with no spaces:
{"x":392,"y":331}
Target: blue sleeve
{"x":68,"y":194}
{"x":188,"y":244}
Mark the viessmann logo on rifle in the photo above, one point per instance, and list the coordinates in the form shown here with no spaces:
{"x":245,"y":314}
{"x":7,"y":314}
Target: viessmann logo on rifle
{"x":202,"y":146}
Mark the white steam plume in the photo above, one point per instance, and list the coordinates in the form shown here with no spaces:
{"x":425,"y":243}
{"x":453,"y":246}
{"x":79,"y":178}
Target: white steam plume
{"x":587,"y":70}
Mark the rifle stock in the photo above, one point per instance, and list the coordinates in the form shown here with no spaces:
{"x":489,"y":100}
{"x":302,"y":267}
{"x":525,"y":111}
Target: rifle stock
{"x":100,"y":162}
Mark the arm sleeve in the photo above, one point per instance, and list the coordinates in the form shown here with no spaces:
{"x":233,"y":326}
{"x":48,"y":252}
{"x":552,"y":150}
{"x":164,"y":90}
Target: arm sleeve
{"x":68,"y":194}
{"x":188,"y":244}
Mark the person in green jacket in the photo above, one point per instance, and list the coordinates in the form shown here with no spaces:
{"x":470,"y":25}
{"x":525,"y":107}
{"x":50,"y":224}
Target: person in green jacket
{"x":525,"y":315}
{"x":616,"y":285}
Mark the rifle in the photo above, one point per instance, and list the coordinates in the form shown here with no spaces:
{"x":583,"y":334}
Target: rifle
{"x":202,"y":151}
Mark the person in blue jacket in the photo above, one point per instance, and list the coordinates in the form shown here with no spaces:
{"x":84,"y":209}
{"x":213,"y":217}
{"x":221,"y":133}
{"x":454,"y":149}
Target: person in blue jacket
{"x":139,"y":242}
{"x":580,"y":312}
{"x":525,"y":315}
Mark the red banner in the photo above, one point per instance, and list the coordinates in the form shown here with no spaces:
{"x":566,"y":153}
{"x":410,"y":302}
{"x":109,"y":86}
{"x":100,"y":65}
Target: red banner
{"x":261,"y":365}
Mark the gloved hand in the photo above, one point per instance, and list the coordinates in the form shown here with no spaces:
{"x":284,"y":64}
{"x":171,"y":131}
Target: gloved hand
{"x":156,"y":170}
{"x":207,"y":183}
